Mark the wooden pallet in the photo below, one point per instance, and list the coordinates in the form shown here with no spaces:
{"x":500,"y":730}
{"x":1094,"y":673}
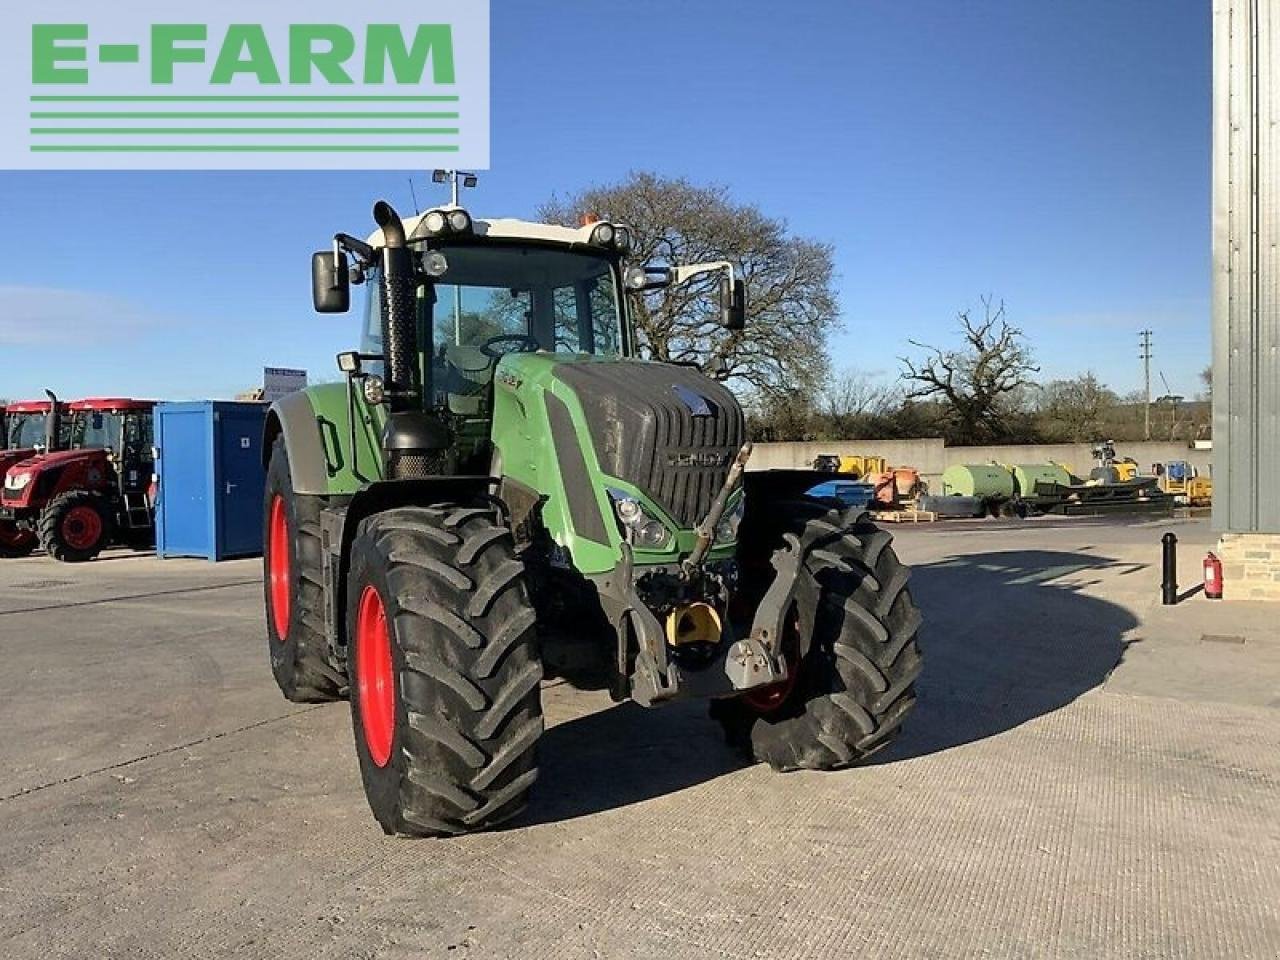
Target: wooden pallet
{"x":905,"y":516}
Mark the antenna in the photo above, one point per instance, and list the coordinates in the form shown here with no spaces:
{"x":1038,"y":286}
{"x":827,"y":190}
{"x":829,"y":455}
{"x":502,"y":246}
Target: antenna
{"x":1167,"y":389}
{"x":414,"y":193}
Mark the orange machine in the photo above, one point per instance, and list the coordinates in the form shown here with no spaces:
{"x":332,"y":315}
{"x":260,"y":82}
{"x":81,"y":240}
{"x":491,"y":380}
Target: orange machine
{"x":898,"y":487}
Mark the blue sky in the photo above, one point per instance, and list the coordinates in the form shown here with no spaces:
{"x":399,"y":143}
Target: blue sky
{"x":1053,"y":154}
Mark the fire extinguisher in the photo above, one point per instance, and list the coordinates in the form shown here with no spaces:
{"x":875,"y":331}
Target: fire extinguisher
{"x":1212,"y":577}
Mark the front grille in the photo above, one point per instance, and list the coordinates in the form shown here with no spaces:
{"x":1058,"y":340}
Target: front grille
{"x":645,"y":431}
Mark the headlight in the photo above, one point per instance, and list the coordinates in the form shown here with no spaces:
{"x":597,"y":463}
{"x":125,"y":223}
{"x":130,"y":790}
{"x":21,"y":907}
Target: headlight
{"x":644,"y":531}
{"x":459,"y":221}
{"x":603,"y":234}
{"x":435,"y":222}
{"x":622,"y":239}
{"x":652,"y":535}
{"x":727,"y":528}
{"x":16,"y":481}
{"x":435,"y":264}
{"x":636,"y":278}
{"x":374,"y":390}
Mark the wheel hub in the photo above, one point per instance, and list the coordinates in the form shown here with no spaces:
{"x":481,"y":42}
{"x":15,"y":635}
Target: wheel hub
{"x":81,"y":527}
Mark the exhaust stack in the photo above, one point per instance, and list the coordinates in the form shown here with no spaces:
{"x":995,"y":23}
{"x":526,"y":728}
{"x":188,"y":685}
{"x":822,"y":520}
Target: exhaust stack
{"x":416,"y":441}
{"x":399,"y":323}
{"x":52,"y":422}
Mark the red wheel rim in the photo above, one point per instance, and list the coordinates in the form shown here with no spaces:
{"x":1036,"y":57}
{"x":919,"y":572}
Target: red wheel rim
{"x":770,"y":698}
{"x":278,"y":579}
{"x":82,"y":528}
{"x":375,"y":677}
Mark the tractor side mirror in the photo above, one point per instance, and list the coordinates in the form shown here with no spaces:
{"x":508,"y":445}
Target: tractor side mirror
{"x":330,"y":282}
{"x":733,"y":303}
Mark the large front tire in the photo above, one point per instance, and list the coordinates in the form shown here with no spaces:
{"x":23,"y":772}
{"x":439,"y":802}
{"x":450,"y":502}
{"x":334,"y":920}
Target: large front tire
{"x":851,"y":691}
{"x":445,"y":699}
{"x":75,"y":526}
{"x":293,"y":587}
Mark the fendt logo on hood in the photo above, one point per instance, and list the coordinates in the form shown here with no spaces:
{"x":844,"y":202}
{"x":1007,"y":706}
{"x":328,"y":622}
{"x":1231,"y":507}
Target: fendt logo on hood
{"x":244,"y":85}
{"x":700,"y":458}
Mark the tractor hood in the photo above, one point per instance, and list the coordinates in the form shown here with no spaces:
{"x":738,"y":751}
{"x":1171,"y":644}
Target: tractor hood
{"x":9,"y":458}
{"x":664,"y":433}
{"x":668,"y":430}
{"x":35,"y":462}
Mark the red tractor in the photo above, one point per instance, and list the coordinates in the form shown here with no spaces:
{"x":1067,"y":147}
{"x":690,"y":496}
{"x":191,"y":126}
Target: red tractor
{"x":29,"y":427}
{"x":77,"y":501}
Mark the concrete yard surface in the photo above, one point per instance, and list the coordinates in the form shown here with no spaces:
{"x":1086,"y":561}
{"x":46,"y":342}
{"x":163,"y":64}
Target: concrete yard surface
{"x":1086,"y":774}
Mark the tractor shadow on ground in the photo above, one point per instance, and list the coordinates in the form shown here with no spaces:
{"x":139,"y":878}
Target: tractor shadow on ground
{"x":625,"y":754}
{"x":1008,"y":636}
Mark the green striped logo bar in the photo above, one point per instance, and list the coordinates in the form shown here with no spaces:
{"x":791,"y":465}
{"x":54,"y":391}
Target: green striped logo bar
{"x":129,"y":88}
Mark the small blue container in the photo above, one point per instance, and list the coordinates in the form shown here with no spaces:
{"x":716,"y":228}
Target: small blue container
{"x":847,"y":493}
{"x":211,"y":479}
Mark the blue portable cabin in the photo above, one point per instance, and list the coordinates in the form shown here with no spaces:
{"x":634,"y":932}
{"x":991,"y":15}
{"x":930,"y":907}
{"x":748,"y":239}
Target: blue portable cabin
{"x":211,"y":479}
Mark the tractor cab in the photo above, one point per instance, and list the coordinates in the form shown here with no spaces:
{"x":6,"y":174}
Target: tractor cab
{"x":121,"y":428}
{"x":480,"y":297}
{"x":76,"y":501}
{"x":32,"y":427}
{"x":26,"y":426}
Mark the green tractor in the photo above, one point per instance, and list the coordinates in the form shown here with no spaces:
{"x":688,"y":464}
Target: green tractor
{"x":502,"y":488}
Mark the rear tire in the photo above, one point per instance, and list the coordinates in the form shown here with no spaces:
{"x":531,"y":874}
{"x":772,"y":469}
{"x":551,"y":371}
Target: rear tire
{"x":445,"y":701}
{"x":293,"y":588}
{"x":855,"y":684}
{"x":16,"y":542}
{"x":75,"y":526}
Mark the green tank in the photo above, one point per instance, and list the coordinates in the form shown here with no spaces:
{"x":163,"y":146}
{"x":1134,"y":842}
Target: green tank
{"x":985,"y":480}
{"x":1028,"y":475}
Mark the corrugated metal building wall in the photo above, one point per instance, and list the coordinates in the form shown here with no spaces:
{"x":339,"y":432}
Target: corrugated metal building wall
{"x":1246,"y":265}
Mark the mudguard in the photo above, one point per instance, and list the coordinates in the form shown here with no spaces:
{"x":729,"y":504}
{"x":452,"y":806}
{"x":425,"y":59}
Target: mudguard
{"x":294,"y":417}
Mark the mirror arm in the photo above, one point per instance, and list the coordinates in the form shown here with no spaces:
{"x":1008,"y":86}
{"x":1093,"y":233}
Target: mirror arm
{"x":365,"y":255}
{"x":683,"y":274}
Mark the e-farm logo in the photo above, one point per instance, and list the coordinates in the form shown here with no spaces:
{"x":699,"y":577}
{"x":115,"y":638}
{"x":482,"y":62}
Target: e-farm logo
{"x":134,"y":85}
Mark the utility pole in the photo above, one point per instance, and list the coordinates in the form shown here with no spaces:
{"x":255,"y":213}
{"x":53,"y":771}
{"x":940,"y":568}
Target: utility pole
{"x":1144,"y":344}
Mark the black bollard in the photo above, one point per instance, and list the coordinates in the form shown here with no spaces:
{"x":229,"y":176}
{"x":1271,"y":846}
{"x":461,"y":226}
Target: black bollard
{"x":1170,"y":585}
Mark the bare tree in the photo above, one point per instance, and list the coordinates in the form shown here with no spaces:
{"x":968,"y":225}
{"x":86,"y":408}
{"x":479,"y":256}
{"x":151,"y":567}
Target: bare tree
{"x":974,"y":380}
{"x":791,"y":305}
{"x":1075,"y":409}
{"x":850,"y":402}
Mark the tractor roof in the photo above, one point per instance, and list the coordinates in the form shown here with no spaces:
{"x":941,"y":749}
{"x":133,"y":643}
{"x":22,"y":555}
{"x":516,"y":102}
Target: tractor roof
{"x":504,"y":229}
{"x":110,"y":404}
{"x":27,"y":406}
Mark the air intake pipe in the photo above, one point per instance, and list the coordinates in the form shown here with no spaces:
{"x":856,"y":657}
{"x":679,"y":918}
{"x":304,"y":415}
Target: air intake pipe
{"x":416,"y":442}
{"x":52,"y":422}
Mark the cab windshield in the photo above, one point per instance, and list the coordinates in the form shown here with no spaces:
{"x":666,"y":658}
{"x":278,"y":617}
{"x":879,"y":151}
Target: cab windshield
{"x":25,"y":430}
{"x":499,"y":299}
{"x":96,"y":428}
{"x":519,"y":298}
